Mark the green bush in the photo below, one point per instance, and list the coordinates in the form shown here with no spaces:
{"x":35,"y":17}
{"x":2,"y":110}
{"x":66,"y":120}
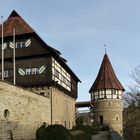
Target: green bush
{"x":40,"y":133}
{"x":53,"y":132}
{"x":91,"y":130}
{"x":82,"y":132}
{"x":79,"y":135}
{"x":79,"y":120}
{"x":58,"y":132}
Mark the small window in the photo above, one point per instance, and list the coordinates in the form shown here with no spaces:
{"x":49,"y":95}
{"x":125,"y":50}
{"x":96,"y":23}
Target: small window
{"x":28,"y":71}
{"x":6,"y":114}
{"x":68,"y":83}
{"x":56,"y":73}
{"x":114,"y":91}
{"x":18,"y":45}
{"x":42,"y":93}
{"x":101,"y":120}
{"x":34,"y":71}
{"x":64,"y":79}
{"x":117,"y":118}
{"x":6,"y":73}
{"x":23,"y":45}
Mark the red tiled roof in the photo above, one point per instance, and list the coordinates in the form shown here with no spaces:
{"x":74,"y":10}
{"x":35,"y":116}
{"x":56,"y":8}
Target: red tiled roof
{"x":15,"y":21}
{"x":21,"y":27}
{"x":106,"y":78}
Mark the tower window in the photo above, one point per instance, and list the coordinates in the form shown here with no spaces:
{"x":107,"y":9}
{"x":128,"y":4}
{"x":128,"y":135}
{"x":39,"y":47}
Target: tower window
{"x":117,"y":118}
{"x":6,"y":114}
{"x":101,"y":120}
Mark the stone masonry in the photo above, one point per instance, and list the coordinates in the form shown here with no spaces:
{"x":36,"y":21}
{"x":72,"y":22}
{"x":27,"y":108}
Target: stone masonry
{"x":22,"y":112}
{"x":111,"y":110}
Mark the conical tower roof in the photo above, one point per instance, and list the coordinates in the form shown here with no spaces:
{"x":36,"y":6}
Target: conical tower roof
{"x":15,"y":21}
{"x":106,"y":78}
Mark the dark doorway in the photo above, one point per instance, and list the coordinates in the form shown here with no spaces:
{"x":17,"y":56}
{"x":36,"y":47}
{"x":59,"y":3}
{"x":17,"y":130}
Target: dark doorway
{"x":101,"y":120}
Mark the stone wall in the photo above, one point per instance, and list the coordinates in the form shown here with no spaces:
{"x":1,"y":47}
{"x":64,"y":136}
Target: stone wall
{"x":62,"y":106}
{"x":63,"y":109}
{"x":22,"y":112}
{"x":111,"y":110}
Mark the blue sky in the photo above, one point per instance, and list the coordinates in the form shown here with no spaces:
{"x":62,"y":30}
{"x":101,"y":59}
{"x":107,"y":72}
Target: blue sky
{"x":80,"y":28}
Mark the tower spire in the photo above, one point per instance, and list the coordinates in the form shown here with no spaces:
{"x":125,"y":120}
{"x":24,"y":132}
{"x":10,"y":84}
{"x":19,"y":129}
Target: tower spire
{"x":106,"y":78}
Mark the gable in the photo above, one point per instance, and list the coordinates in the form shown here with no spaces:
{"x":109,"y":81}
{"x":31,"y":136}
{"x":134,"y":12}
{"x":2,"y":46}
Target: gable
{"x":15,"y":21}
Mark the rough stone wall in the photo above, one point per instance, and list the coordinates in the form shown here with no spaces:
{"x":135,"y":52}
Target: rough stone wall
{"x":111,"y":110}
{"x":63,"y":109}
{"x":21,"y":112}
{"x":62,"y":106}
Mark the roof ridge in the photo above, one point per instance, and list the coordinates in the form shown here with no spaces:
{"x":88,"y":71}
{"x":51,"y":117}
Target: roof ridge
{"x":14,"y":14}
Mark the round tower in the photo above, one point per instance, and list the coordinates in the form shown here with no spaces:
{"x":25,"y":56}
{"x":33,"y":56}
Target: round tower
{"x":106,"y":92}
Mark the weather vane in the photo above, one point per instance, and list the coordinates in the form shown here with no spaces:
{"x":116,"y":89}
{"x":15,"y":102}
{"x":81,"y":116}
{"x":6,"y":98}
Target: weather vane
{"x":105,"y":48}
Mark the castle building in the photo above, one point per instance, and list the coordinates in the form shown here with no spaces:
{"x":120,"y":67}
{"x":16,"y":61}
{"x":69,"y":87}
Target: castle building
{"x":39,"y":70}
{"x":106,"y":92}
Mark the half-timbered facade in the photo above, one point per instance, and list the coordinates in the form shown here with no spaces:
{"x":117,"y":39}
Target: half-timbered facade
{"x":37,"y":64}
{"x":40,"y":69}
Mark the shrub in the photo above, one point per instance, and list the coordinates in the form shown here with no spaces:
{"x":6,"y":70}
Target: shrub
{"x":91,"y":130}
{"x":40,"y":133}
{"x":79,"y":120}
{"x":54,"y":132}
{"x":79,"y":135}
{"x":85,"y":132}
{"x":57,"y":132}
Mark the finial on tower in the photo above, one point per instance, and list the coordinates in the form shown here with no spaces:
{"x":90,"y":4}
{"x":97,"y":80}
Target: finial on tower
{"x":105,"y":48}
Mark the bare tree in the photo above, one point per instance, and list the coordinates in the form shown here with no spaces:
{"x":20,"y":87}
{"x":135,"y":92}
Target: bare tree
{"x":132,"y":98}
{"x":132,"y":112}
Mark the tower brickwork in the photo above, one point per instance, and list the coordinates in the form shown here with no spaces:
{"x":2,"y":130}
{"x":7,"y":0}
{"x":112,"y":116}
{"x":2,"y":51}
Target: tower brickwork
{"x":107,"y":92}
